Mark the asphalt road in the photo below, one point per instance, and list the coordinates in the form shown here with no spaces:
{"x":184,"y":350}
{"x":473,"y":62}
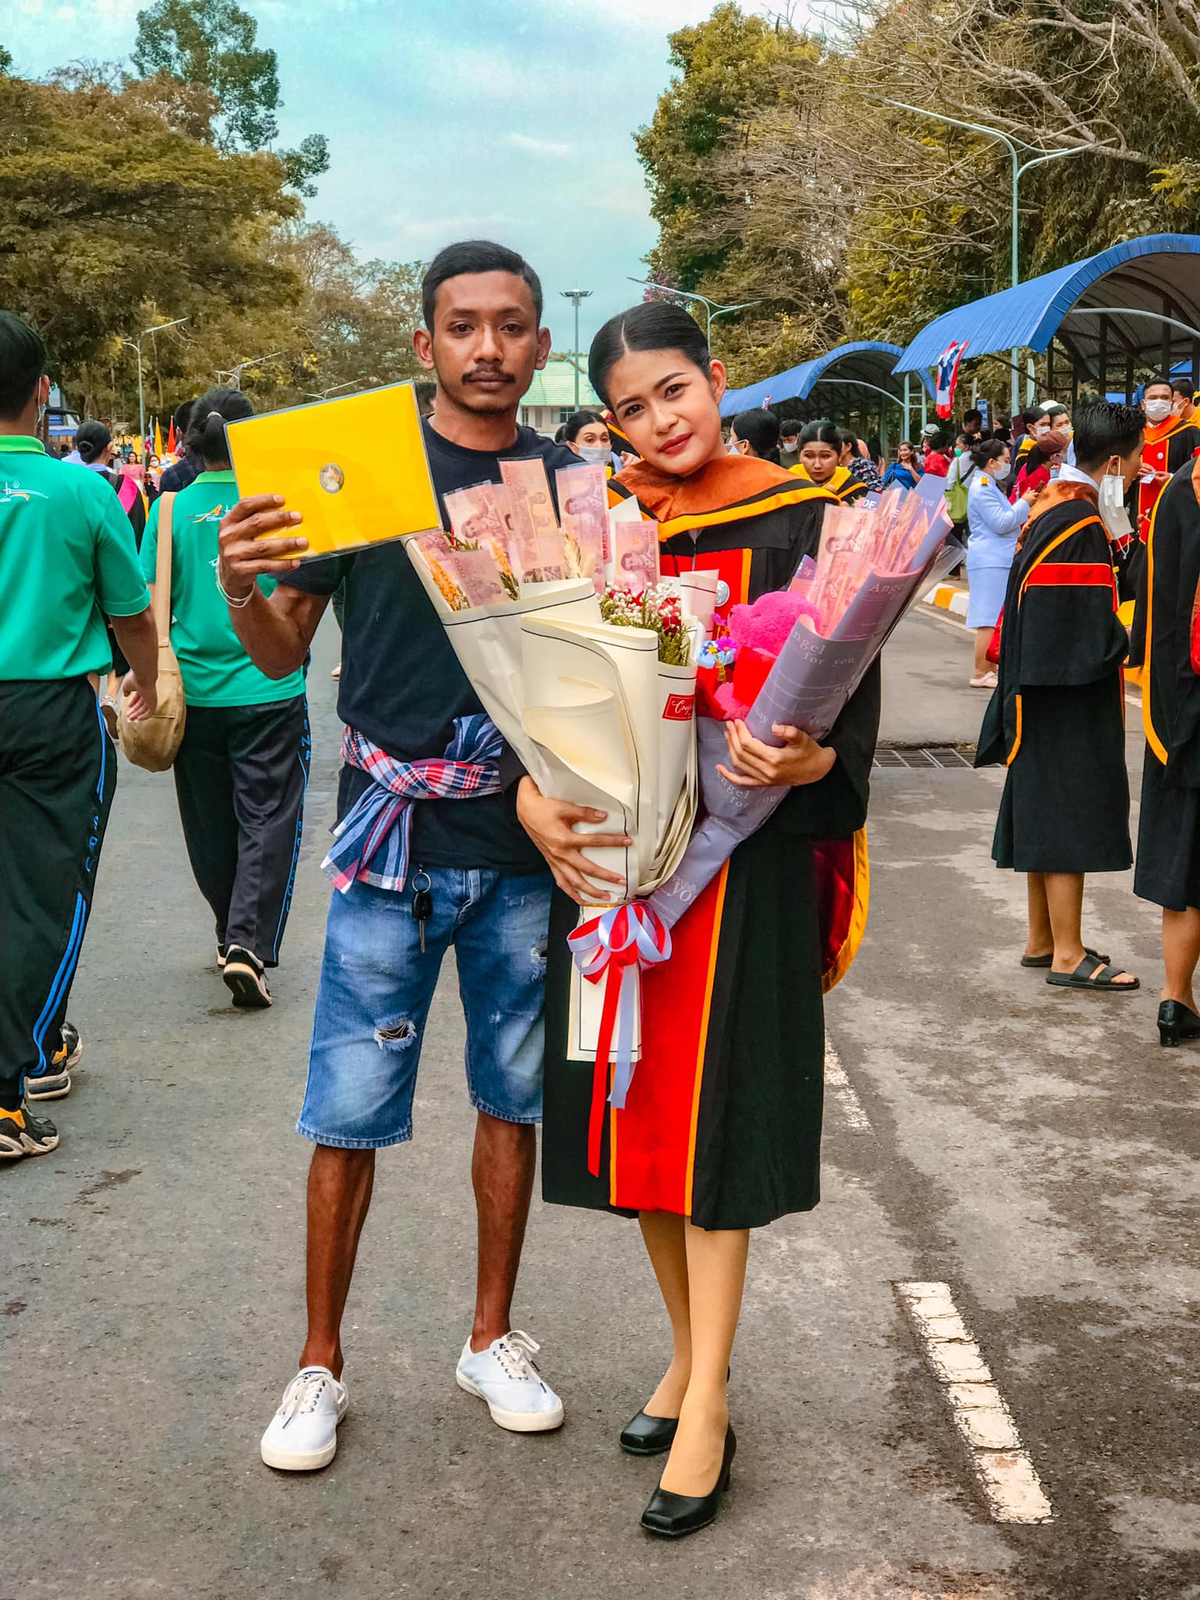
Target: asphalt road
{"x":1033,"y":1152}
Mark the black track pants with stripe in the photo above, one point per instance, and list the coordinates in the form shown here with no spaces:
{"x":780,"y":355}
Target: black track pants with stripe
{"x":58,"y":773}
{"x":240,"y":778}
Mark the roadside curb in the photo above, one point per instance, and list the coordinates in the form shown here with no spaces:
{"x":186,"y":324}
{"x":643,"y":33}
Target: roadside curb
{"x":947,"y":598}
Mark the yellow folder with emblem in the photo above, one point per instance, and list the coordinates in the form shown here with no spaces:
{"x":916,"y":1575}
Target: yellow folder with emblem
{"x":355,"y":468}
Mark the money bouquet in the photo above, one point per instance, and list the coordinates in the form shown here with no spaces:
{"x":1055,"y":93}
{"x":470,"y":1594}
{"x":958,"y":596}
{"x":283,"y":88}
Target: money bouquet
{"x":584,"y":664}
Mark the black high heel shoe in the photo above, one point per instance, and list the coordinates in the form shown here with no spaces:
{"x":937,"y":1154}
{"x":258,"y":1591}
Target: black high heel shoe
{"x":645,"y":1435}
{"x":1175,"y":1022}
{"x":671,"y":1516}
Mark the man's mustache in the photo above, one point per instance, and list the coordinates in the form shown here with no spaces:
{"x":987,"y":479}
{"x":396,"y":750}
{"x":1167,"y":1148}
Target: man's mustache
{"x":490,"y":373}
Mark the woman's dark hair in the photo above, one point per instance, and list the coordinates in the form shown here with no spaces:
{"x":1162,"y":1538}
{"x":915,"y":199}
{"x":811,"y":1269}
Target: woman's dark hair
{"x":760,"y":429}
{"x":92,"y":440}
{"x":471,"y":256}
{"x":22,"y":363}
{"x":205,"y":438}
{"x":987,"y":450}
{"x":574,"y":425}
{"x":654,"y":325}
{"x":1104,"y":429}
{"x":820,"y":432}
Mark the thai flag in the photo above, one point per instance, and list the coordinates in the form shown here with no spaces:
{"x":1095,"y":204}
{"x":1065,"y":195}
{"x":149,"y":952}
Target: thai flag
{"x":947,"y":376}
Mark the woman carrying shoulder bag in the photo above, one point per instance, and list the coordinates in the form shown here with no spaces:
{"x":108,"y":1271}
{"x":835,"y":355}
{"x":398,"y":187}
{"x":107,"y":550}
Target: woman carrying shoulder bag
{"x":242,"y":767}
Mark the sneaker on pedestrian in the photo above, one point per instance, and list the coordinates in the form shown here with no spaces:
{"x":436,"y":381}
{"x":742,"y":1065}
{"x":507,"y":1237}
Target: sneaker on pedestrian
{"x":504,"y":1375}
{"x":302,"y":1435}
{"x":987,"y":681}
{"x":55,"y":1082}
{"x":220,"y":958}
{"x":23,"y":1134}
{"x":245,"y":978}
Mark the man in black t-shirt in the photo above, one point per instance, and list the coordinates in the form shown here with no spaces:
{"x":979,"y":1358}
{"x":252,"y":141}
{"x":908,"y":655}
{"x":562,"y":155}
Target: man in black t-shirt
{"x":475,"y":875}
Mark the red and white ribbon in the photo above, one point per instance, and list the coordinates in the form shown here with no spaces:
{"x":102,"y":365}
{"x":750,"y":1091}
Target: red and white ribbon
{"x":616,"y":947}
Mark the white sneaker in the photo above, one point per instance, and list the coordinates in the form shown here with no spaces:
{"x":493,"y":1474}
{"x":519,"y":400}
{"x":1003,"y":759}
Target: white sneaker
{"x":504,"y":1375}
{"x":303,"y":1432}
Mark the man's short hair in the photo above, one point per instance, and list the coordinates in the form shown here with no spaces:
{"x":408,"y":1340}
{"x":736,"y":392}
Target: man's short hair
{"x":790,"y":427}
{"x":1161,"y":381}
{"x":1106,"y":428}
{"x":475,"y":255}
{"x":22,"y":363}
{"x":1185,"y":387}
{"x":972,"y":416}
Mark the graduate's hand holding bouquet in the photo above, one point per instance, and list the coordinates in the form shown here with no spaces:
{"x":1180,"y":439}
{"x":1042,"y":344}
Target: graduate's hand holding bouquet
{"x":798,"y":760}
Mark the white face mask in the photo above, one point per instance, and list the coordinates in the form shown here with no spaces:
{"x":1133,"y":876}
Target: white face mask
{"x":599,"y":455}
{"x":789,"y":446}
{"x":1157,"y":410}
{"x":732,"y":448}
{"x":1112,"y":506}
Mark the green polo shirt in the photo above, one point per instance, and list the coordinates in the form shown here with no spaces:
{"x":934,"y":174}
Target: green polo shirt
{"x":68,"y":559}
{"x":212,"y":660}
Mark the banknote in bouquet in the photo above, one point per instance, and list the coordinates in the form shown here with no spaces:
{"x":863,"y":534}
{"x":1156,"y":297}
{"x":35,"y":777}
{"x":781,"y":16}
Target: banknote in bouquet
{"x":583,"y":506}
{"x":477,"y":522}
{"x":537,"y":541}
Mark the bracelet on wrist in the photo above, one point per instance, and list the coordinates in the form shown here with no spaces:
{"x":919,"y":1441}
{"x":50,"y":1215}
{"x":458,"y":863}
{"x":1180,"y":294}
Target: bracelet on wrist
{"x":236,"y":601}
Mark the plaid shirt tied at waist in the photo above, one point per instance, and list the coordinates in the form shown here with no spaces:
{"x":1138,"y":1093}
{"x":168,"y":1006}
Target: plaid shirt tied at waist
{"x":372,"y":839}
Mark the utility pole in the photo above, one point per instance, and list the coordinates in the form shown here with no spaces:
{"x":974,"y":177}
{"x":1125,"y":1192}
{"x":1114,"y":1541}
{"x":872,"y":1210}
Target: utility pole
{"x":137,"y":345}
{"x":1019,"y":169}
{"x":712,"y":308}
{"x":576,"y":295}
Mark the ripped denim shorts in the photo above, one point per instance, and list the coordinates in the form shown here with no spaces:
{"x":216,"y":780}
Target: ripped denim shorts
{"x":376,"y":987}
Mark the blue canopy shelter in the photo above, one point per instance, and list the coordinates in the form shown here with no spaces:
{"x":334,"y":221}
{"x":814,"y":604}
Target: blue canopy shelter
{"x":1136,"y":304}
{"x":838,"y":384}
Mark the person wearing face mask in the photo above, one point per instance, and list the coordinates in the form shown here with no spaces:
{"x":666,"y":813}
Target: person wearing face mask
{"x":994,"y":526}
{"x":1183,"y":399}
{"x":1056,"y":719}
{"x":789,"y":441}
{"x":755,"y":433}
{"x":1170,"y":442}
{"x":587,"y":434}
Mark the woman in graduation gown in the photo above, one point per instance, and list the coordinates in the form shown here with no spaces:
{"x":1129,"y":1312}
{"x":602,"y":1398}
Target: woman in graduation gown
{"x":821,"y":449}
{"x":1057,"y":717}
{"x":721,"y":1129}
{"x":1168,"y":854}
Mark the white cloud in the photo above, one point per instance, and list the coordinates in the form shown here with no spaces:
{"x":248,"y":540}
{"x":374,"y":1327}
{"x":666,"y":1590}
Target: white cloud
{"x":538,"y":147}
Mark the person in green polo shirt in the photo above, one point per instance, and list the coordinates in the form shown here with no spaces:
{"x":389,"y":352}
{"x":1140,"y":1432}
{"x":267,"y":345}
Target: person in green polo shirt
{"x":67,"y":561}
{"x":242,"y":767}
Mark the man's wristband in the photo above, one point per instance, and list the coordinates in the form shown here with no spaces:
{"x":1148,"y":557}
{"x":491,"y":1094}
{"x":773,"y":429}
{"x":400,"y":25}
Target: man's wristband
{"x":236,"y":601}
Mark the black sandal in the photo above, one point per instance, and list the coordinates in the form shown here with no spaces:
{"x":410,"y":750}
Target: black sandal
{"x":1095,"y":974}
{"x":1048,"y":961}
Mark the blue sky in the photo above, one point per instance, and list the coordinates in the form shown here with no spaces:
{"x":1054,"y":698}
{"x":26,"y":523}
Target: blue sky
{"x":449,"y":119}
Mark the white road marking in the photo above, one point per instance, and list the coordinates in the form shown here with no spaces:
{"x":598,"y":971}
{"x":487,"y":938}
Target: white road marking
{"x":985,"y":1423}
{"x":848,"y":1102}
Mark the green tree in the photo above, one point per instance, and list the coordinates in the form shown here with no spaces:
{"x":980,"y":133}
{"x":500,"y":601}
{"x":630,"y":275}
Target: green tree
{"x":5,"y":61}
{"x":110,"y":215}
{"x":214,"y":44}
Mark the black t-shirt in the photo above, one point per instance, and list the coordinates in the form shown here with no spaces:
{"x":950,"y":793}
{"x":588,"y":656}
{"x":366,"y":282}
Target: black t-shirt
{"x":401,"y":684}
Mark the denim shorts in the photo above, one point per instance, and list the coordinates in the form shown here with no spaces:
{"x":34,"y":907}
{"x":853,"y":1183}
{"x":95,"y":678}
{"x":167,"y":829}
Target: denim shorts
{"x":376,"y":987}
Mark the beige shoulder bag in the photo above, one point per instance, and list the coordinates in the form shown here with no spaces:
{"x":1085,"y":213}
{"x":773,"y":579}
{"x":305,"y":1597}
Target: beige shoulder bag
{"x":154,"y":743}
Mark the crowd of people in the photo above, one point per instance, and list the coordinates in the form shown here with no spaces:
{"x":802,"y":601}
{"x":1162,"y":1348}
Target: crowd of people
{"x":443,"y":841}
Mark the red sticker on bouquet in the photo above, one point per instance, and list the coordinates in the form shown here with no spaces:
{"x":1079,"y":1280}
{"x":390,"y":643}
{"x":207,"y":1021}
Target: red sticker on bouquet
{"x":679,"y":708}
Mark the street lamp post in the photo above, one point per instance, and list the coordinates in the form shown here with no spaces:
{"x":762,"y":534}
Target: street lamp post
{"x":235,"y":372}
{"x":712,"y":308}
{"x":137,"y":345}
{"x":576,"y":295}
{"x":1019,"y":169}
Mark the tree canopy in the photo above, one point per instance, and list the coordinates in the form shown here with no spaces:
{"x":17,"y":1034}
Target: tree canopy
{"x":779,"y":172}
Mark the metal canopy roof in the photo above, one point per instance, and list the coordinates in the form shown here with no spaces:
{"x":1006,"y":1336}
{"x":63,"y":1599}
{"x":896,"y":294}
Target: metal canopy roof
{"x":1156,"y":274}
{"x":867,"y":361}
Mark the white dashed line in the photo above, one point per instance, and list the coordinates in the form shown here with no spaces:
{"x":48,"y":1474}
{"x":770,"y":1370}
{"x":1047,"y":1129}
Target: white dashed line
{"x":839,"y":1084}
{"x":1005,"y":1470}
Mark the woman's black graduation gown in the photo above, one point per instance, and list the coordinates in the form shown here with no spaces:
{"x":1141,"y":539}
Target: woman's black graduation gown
{"x":723,"y":1119}
{"x":1168,"y":853}
{"x":1057,"y":717}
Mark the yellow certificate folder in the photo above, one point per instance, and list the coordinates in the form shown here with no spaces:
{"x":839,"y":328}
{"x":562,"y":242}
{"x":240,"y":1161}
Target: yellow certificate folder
{"x":355,"y":468}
